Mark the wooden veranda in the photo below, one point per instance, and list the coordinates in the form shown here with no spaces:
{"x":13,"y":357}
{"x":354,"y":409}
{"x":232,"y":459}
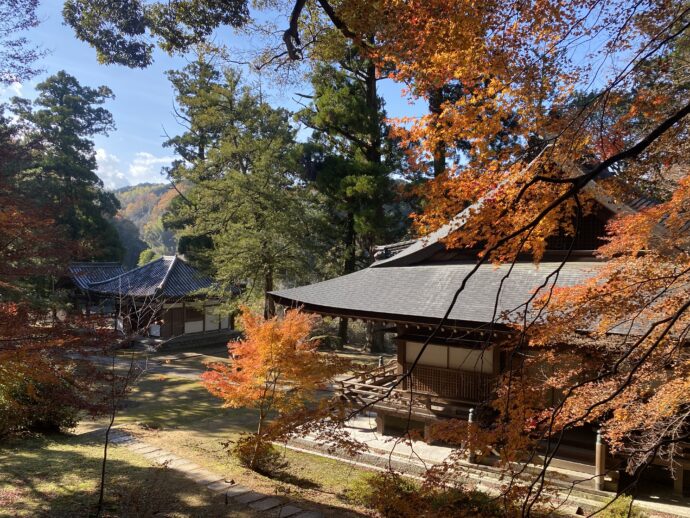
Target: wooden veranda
{"x":429,"y":393}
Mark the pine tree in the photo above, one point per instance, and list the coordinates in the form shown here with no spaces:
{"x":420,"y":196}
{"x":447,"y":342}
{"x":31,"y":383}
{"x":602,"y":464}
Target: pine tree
{"x":350,"y":158}
{"x":64,"y":118}
{"x":245,"y":214}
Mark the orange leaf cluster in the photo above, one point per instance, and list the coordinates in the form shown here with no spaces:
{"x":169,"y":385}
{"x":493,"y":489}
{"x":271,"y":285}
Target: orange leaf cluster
{"x":276,"y":367}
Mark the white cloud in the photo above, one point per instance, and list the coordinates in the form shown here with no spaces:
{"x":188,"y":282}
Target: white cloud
{"x":109,"y":169}
{"x":146,"y":167}
{"x":11,"y":90}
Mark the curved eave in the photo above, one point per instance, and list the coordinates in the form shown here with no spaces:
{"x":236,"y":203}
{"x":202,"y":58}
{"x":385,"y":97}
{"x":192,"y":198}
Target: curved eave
{"x":413,"y":320}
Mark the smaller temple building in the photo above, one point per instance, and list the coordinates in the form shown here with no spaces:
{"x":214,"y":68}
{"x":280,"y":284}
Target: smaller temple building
{"x":164,"y":299}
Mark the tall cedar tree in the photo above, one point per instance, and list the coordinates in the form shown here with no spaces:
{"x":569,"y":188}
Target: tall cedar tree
{"x":63,"y":118}
{"x":349,"y":156}
{"x":245,"y":212}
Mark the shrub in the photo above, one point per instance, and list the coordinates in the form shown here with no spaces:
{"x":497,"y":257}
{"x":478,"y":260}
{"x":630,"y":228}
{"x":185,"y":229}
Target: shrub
{"x":48,"y":405}
{"x":258,"y":454}
{"x":622,"y":507}
{"x":392,"y":495}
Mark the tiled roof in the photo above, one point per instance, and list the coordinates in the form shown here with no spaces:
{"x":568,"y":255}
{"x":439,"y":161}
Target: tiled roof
{"x":83,"y":274}
{"x":168,"y":276}
{"x":426,"y":246}
{"x":403,"y":284}
{"x":425,"y":291}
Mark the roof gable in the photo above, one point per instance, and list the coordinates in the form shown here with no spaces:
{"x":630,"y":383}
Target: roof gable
{"x":425,"y":247}
{"x":168,"y":276}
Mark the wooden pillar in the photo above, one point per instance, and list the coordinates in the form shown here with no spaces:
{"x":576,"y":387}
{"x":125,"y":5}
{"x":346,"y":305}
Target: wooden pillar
{"x":496,"y":360}
{"x":427,"y":433}
{"x":599,"y":463}
{"x":401,"y":346}
{"x":678,"y":481}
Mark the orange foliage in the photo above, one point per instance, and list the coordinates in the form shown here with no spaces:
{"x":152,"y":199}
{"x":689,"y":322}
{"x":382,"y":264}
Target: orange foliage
{"x":587,"y":86}
{"x":276,"y":368}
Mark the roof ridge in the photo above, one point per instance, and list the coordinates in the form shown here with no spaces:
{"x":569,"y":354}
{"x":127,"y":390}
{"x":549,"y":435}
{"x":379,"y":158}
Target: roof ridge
{"x":94,"y":263}
{"x":127,"y":272}
{"x":423,"y":244}
{"x":167,"y":274}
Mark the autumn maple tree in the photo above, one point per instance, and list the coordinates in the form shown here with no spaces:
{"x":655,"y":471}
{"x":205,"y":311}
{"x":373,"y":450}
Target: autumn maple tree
{"x":276,"y":370}
{"x":553,"y":104}
{"x":557,"y":104}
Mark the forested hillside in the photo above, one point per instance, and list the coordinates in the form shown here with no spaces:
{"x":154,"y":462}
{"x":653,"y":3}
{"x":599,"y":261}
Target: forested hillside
{"x":139,"y":220}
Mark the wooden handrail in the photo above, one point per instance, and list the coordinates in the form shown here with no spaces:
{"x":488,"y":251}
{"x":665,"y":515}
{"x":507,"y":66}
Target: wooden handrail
{"x":386,"y":369}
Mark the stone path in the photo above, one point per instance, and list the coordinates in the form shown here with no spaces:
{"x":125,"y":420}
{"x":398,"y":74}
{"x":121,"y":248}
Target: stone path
{"x":270,"y":504}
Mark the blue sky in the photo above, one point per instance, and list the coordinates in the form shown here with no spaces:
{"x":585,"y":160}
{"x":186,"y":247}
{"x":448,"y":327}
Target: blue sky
{"x":142,"y":107}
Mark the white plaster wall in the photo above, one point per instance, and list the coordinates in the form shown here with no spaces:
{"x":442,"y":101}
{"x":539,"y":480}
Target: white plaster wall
{"x":194,"y":327}
{"x":472,"y":360}
{"x":460,"y":358}
{"x":434,"y":355}
{"x":212,"y":318}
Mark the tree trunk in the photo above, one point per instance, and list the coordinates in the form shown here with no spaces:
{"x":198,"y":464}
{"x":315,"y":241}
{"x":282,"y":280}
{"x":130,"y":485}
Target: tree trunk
{"x":348,"y":267}
{"x":435,"y":102}
{"x":375,"y":337}
{"x":269,"y":305}
{"x":373,"y":153}
{"x":257,"y":445}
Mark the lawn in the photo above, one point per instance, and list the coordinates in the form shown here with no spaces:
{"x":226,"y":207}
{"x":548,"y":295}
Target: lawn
{"x":58,"y":476}
{"x":181,"y":416}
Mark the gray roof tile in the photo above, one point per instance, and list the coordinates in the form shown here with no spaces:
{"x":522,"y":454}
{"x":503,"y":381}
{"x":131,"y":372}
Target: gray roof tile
{"x":168,"y":276}
{"x":85,"y":273}
{"x":425,"y":291}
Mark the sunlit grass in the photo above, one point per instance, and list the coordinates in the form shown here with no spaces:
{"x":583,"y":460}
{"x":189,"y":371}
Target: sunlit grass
{"x":58,"y":476}
{"x":181,"y":416}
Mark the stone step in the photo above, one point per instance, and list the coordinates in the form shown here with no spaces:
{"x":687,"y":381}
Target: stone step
{"x":268,"y":505}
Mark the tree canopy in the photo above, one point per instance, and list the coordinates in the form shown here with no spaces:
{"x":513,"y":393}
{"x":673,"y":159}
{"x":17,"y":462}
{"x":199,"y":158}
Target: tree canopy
{"x":245,"y":212}
{"x":63,"y":119}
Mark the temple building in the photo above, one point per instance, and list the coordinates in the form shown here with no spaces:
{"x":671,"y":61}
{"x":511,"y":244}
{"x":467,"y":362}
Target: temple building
{"x":408,"y":290}
{"x":165,"y":299}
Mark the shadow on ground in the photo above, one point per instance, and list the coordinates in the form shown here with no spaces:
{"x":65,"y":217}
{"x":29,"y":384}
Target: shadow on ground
{"x":58,"y":476}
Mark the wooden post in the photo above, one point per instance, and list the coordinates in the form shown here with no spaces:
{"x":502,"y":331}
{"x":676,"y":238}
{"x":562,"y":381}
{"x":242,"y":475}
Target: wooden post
{"x":678,"y":481}
{"x":401,"y":346}
{"x":471,"y":455}
{"x":184,"y":318}
{"x":599,"y":462}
